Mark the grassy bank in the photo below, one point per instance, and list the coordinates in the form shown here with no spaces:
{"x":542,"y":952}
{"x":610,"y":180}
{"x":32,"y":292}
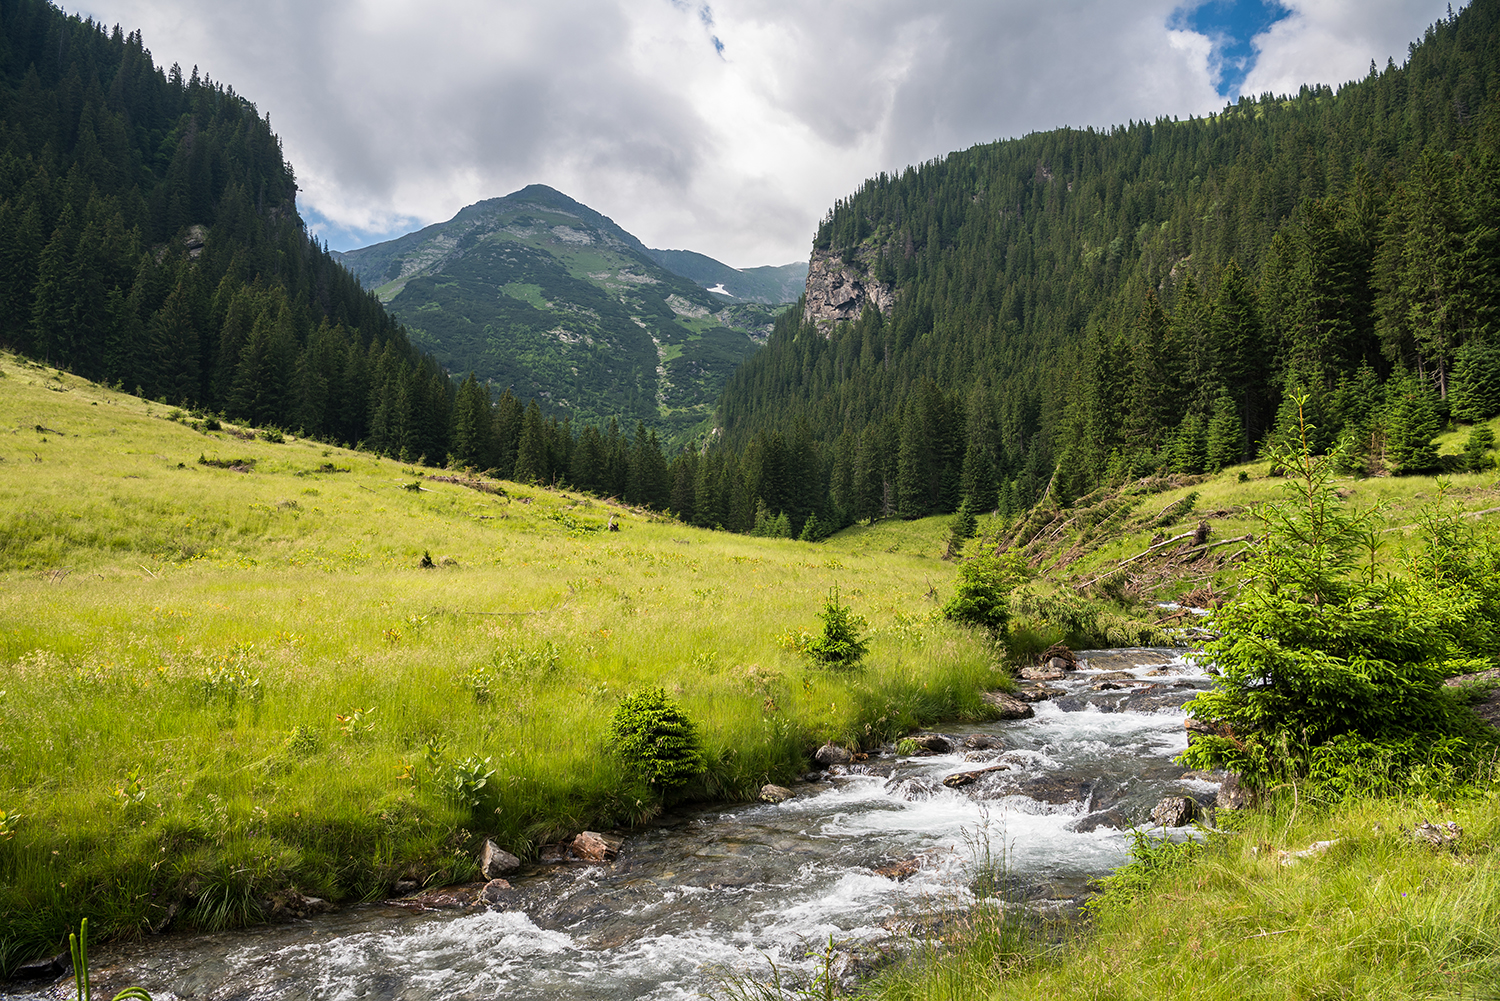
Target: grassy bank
{"x":231,"y":677}
{"x":1378,"y":914}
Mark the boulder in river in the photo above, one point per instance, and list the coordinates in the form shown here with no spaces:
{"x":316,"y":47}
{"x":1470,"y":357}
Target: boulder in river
{"x":832,"y":754}
{"x":591,"y":846}
{"x":934,"y":742}
{"x":494,"y":891}
{"x":1039,"y":692}
{"x":772,"y":793}
{"x":960,"y":779}
{"x":495,"y":861}
{"x":1175,"y":811}
{"x":1009,"y":706}
{"x":982,"y":742}
{"x":1099,"y":818}
{"x":1043,"y":673}
{"x":899,"y":871}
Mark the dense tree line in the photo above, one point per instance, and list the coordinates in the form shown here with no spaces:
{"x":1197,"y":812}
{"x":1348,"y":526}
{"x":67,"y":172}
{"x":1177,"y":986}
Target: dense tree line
{"x":1101,"y":304}
{"x":149,"y":238}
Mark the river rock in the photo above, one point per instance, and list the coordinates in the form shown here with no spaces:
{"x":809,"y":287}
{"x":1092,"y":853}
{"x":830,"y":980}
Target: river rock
{"x":832,"y":754}
{"x":495,"y":861}
{"x":772,"y":793}
{"x":899,"y":871}
{"x":1099,"y":818}
{"x":43,"y":969}
{"x":1057,"y":790}
{"x":1233,"y":793}
{"x":591,"y":846}
{"x":1039,"y":692}
{"x":1010,"y":707}
{"x":1175,"y":811}
{"x":960,"y":779}
{"x":1116,"y":676}
{"x":982,"y":742}
{"x":441,"y":899}
{"x":1042,"y":674}
{"x":934,"y":742}
{"x":288,"y":905}
{"x":494,"y":891}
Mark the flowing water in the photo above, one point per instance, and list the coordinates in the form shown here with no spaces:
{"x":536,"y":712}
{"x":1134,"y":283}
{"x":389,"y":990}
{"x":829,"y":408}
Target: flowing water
{"x":728,"y":889}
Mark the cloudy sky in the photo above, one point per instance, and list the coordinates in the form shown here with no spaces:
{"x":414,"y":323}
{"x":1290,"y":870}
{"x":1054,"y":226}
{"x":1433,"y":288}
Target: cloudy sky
{"x":726,"y":127}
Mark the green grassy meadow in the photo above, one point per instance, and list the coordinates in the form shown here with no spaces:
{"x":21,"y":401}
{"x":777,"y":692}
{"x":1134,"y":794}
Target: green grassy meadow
{"x":220,"y":683}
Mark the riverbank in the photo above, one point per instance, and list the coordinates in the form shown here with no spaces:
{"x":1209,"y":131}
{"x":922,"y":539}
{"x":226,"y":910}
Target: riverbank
{"x":1298,"y":901}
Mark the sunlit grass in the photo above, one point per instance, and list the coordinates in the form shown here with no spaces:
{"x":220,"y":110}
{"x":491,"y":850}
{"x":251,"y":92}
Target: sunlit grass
{"x":178,"y":642}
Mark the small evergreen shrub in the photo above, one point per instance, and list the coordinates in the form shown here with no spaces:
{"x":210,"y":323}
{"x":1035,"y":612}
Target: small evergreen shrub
{"x":982,"y":595}
{"x":656,"y":739}
{"x":842,"y":643}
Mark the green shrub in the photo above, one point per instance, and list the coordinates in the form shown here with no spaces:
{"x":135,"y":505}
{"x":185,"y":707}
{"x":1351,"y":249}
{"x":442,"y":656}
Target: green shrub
{"x":842,"y":643}
{"x":982,"y":595}
{"x":656,"y":739}
{"x":1332,"y":671}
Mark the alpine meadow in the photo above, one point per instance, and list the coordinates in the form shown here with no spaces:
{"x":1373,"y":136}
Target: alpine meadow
{"x":1138,"y":481}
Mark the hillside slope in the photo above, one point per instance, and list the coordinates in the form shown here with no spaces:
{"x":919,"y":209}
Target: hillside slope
{"x":540,"y":294}
{"x":149,"y":237}
{"x":1146,"y":298}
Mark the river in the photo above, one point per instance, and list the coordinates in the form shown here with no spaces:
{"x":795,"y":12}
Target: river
{"x":733,"y":889}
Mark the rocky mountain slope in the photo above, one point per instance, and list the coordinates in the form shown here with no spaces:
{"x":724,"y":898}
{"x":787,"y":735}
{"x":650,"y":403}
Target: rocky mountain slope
{"x":772,"y":286}
{"x":541,"y":294}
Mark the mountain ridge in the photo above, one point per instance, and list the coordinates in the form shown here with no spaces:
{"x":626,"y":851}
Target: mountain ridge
{"x":537,"y":292}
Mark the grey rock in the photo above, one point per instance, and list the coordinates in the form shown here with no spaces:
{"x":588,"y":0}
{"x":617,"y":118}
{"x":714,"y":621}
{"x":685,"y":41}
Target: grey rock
{"x":1233,"y":793}
{"x":934,"y":742}
{"x":1040,"y":692}
{"x":1009,"y":706}
{"x":494,"y":891}
{"x":772,"y":793}
{"x":832,"y":754}
{"x":1175,"y":811}
{"x":982,"y":742}
{"x":495,"y":861}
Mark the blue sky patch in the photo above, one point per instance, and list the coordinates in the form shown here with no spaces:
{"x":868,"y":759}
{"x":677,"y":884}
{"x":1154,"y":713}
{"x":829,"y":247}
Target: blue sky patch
{"x":1230,"y":24}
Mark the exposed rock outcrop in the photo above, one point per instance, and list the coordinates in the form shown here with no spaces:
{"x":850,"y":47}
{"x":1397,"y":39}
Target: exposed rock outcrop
{"x":837,"y":291}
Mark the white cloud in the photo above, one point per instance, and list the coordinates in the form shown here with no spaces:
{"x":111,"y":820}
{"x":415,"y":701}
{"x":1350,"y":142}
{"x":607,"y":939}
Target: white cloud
{"x":396,"y":113}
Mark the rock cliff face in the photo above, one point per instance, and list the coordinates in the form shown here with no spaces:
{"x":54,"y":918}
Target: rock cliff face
{"x":837,"y":291}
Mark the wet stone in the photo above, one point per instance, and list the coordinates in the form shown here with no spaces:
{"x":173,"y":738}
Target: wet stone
{"x":832,"y":754}
{"x":772,"y":793}
{"x":1009,"y":706}
{"x":982,"y":742}
{"x":934,"y":742}
{"x":1112,"y":818}
{"x":1175,"y":811}
{"x":1040,"y":693}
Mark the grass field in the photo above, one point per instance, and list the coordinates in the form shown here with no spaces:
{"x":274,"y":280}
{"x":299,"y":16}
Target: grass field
{"x":225,"y":672}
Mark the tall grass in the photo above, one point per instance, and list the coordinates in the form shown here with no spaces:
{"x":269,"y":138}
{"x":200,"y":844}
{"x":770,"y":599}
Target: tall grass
{"x":216,"y":685}
{"x":1378,"y":915}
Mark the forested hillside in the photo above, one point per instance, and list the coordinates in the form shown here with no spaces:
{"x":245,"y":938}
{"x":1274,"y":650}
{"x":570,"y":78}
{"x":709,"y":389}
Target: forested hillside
{"x":1108,"y":303}
{"x":540,"y":294}
{"x":149,"y":238}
